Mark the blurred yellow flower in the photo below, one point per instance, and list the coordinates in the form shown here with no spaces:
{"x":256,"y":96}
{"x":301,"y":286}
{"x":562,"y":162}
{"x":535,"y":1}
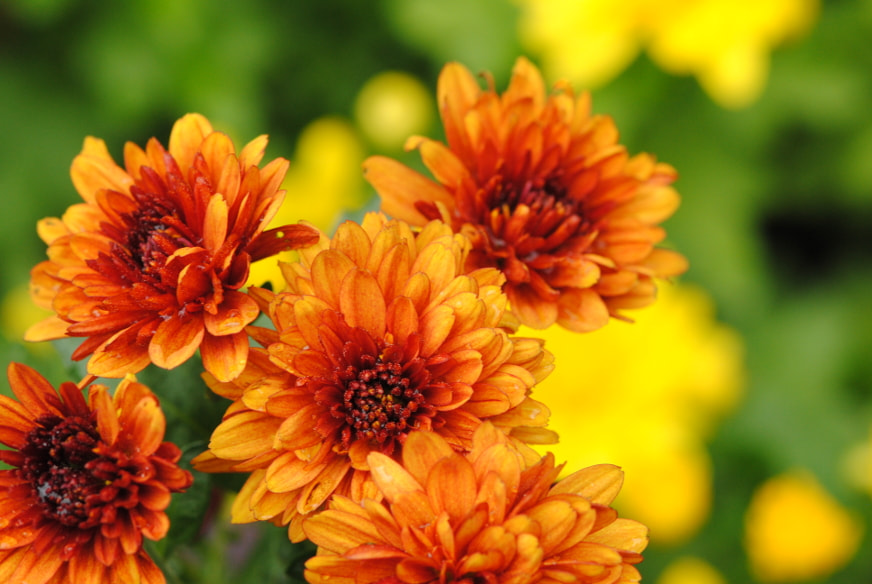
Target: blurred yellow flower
{"x":724,"y":43}
{"x":645,"y":396}
{"x":391,"y":107}
{"x":18,"y":313}
{"x":324,"y":180}
{"x":690,"y":570}
{"x":857,"y":465}
{"x":586,"y":41}
{"x":796,"y":531}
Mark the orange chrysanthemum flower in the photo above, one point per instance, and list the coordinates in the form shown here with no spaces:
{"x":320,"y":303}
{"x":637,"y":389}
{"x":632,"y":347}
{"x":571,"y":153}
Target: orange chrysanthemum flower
{"x":149,"y":267}
{"x":494,"y":515}
{"x":546,"y":194}
{"x":88,"y":481}
{"x":378,"y":333}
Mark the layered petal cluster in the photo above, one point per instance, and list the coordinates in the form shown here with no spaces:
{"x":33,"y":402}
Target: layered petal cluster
{"x":378,"y":333}
{"x":149,"y":267}
{"x":88,"y":480}
{"x":493,"y":514}
{"x":545,"y":193}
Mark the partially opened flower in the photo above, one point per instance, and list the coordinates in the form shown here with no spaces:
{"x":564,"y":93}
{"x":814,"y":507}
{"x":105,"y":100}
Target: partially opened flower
{"x":546,"y":194}
{"x":88,"y":480}
{"x":149,"y":267}
{"x":378,"y":333}
{"x":492,"y":515}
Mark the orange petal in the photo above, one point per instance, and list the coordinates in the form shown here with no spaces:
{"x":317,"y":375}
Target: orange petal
{"x":288,"y":472}
{"x":399,"y":187}
{"x":391,"y":478}
{"x":225,"y":356}
{"x":447,"y":169}
{"x":451,"y":486}
{"x":402,"y":319}
{"x":237,"y":311}
{"x":329,"y":269}
{"x":421,"y":451}
{"x":186,"y":139}
{"x":665,"y":263}
{"x":93,"y":170}
{"x":362,"y":303}
{"x":215,"y":224}
{"x":436,"y":325}
{"x":340,"y":532}
{"x":582,"y":310}
{"x":318,"y":490}
{"x":144,"y":426}
{"x":119,"y":355}
{"x":36,"y":568}
{"x":457,"y":92}
{"x":33,"y":390}
{"x":353,"y":241}
{"x":176,"y":340}
{"x":531,"y":309}
{"x":107,"y":417}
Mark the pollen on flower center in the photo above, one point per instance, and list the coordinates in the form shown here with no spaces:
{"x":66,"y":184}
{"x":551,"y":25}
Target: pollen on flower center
{"x":378,"y":400}
{"x":57,"y":454}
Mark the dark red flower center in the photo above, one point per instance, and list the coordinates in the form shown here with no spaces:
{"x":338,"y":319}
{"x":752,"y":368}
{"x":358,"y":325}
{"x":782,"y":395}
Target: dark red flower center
{"x":57,"y":457}
{"x":154,"y":232}
{"x":379,"y":400}
{"x":518,"y":226}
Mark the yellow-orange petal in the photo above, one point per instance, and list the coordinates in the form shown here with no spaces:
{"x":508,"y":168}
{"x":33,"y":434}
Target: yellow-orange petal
{"x":93,"y":170}
{"x":225,"y":356}
{"x":599,"y":483}
{"x":243,"y":435}
{"x":624,"y":534}
{"x":393,"y":179}
{"x":46,"y":330}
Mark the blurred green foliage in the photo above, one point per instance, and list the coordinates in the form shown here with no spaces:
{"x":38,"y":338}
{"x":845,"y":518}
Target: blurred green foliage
{"x":776,"y":216}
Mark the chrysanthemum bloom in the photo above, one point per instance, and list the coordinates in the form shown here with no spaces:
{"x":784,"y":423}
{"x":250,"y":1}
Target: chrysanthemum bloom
{"x":149,"y":267}
{"x":377,"y":333}
{"x":545,"y":193}
{"x":494,"y":515}
{"x":88,"y":481}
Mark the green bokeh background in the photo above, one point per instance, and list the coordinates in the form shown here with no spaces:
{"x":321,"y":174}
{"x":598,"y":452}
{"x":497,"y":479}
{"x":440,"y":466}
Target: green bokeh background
{"x":776,"y":216}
